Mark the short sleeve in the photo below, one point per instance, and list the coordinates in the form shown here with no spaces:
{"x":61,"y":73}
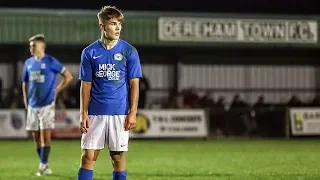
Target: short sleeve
{"x":57,"y":67}
{"x":85,"y":73}
{"x":133,"y":64}
{"x":25,"y":73}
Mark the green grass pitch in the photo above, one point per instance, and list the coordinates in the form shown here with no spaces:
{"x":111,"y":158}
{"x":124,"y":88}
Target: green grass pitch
{"x":175,"y":160}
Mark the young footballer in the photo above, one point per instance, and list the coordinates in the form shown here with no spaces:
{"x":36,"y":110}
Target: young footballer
{"x":109,"y":73}
{"x":39,"y":93}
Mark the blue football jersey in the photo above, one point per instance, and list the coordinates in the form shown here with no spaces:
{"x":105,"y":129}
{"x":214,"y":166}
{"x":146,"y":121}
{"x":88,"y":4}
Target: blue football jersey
{"x":41,"y":78}
{"x":110,"y":72}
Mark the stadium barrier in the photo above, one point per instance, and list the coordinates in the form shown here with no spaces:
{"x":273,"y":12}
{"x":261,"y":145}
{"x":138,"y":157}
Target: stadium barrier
{"x":12,"y":124}
{"x":150,"y":124}
{"x":187,"y":123}
{"x":303,"y":122}
{"x":266,"y":122}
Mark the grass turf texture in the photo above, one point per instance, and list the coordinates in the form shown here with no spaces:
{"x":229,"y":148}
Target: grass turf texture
{"x":175,"y":160}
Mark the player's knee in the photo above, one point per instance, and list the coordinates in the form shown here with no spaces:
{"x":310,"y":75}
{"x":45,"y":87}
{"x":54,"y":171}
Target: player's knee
{"x":47,"y":141}
{"x":88,"y":157}
{"x":36,"y":135}
{"x":47,"y":137}
{"x":116,"y":157}
{"x":36,"y":138}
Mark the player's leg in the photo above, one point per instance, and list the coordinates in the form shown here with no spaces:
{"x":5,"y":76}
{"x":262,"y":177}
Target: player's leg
{"x":46,"y":144}
{"x":32,"y":125}
{"x":88,"y":159}
{"x":46,"y":123}
{"x":37,"y":142}
{"x":119,"y":165}
{"x":117,"y":141}
{"x":91,"y":144}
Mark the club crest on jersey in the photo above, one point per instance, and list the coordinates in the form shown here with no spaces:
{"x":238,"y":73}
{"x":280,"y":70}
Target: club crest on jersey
{"x":43,"y":66}
{"x":118,"y":57}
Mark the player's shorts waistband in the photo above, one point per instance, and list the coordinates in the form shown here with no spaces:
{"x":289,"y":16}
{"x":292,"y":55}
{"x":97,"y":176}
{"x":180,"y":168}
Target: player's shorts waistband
{"x":107,"y":109}
{"x":37,"y":107}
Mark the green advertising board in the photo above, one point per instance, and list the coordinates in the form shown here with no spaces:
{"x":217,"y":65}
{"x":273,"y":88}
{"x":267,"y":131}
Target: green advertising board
{"x":162,"y":29}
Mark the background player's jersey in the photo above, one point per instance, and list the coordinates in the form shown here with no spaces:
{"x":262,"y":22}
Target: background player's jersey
{"x":41,"y":78}
{"x":110,"y":72}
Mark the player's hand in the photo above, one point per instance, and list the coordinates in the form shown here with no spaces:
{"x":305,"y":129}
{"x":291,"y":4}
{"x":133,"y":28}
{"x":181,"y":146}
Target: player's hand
{"x":84,"y":123}
{"x":130,"y":121}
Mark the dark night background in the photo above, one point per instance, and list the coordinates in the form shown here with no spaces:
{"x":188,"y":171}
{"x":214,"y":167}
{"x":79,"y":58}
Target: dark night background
{"x":298,"y":7}
{"x":247,"y":88}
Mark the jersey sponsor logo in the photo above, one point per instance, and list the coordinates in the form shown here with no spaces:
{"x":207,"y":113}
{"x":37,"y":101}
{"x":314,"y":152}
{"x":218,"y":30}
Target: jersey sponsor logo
{"x":43,"y":66}
{"x":118,"y":57}
{"x":109,"y":71}
{"x":36,"y":76}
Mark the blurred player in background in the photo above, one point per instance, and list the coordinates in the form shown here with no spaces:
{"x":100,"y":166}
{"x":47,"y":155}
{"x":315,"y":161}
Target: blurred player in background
{"x":39,"y":93}
{"x":109,"y":73}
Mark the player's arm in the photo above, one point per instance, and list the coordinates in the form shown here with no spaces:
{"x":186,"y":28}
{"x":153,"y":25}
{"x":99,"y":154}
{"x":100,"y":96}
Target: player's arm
{"x":134,"y":95}
{"x":67,"y":78}
{"x":25,"y":79}
{"x":57,"y":67}
{"x":25,"y":95}
{"x":134,"y":73}
{"x":85,"y":75}
{"x":85,"y":90}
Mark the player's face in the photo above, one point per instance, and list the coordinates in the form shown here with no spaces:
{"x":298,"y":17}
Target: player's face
{"x":112,"y":28}
{"x":36,"y":47}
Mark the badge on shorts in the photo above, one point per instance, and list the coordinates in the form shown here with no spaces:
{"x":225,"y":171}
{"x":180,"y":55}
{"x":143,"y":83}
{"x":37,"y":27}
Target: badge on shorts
{"x":118,"y":57}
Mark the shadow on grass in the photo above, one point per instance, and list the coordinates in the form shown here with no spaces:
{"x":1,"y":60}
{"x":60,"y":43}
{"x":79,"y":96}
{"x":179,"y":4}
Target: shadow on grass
{"x":103,"y":176}
{"x":172,"y":176}
{"x":181,"y":174}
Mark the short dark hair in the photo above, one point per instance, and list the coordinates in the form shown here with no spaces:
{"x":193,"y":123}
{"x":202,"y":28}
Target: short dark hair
{"x":109,"y":12}
{"x":38,"y":37}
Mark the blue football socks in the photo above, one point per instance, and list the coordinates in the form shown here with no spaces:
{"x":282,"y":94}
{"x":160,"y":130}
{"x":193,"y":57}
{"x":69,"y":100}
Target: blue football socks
{"x":45,"y":154}
{"x":119,"y":175}
{"x":85,"y":174}
{"x":39,"y":153}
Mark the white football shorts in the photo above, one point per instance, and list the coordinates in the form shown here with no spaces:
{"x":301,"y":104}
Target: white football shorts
{"x":106,"y":130}
{"x":40,"y":118}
